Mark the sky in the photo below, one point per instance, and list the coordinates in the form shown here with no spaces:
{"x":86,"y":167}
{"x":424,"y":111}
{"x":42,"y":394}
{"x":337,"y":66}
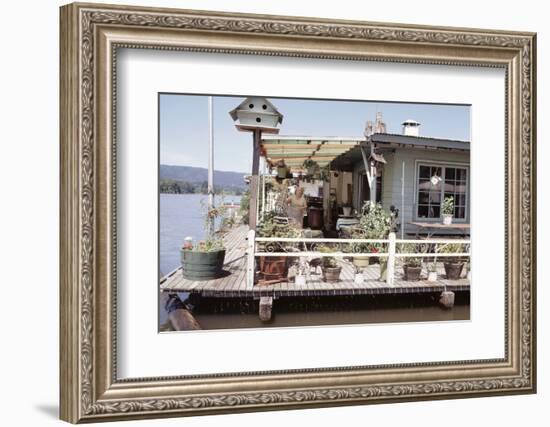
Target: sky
{"x":184,"y":131}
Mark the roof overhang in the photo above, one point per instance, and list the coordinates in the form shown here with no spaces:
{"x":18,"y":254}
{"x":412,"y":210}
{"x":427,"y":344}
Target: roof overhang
{"x":384,"y":142}
{"x":397,"y":140}
{"x":294,"y":150}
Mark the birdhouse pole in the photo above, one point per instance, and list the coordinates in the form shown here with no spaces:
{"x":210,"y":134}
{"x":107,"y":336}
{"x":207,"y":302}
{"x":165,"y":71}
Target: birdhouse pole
{"x":254,"y":180}
{"x":255,"y":114}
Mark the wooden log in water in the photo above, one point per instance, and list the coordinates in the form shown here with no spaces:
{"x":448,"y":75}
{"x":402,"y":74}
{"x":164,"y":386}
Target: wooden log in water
{"x":179,"y":316}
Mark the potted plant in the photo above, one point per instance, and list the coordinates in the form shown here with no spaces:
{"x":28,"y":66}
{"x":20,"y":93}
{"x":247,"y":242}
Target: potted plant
{"x":361,"y":262}
{"x":447,"y":210}
{"x":412,"y":266}
{"x":346,"y":209}
{"x":273,"y":268}
{"x":311,"y":167}
{"x":374,"y":223}
{"x":329,"y":266}
{"x":282,"y":169}
{"x":324,"y":173}
{"x":204,"y":261}
{"x":453,"y":264}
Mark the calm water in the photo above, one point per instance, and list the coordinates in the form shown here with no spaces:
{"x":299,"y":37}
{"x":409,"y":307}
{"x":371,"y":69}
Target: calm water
{"x":180,"y":216}
{"x":323,"y":311}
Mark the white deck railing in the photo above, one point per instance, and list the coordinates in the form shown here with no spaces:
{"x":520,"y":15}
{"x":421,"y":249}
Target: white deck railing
{"x":391,"y":243}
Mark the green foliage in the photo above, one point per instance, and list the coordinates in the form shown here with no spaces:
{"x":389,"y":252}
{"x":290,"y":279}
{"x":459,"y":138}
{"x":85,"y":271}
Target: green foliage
{"x":273,"y":226}
{"x":270,"y":226}
{"x":309,"y":163}
{"x":375,"y":222}
{"x":412,"y":248}
{"x":171,"y":186}
{"x":245,"y":206}
{"x":210,"y":245}
{"x":448,"y":206}
{"x":176,"y":187}
{"x":325,"y":173}
{"x":359,"y":233}
{"x":327,"y":261}
{"x":453,"y":248}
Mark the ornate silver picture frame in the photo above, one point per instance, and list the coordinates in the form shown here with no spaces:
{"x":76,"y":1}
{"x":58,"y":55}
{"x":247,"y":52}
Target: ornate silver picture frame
{"x":91,"y":35}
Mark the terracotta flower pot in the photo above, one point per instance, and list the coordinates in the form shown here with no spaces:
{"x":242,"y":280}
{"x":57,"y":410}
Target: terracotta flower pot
{"x":453,"y":270}
{"x":274,"y":268}
{"x":412,"y":273}
{"x":331,"y":274}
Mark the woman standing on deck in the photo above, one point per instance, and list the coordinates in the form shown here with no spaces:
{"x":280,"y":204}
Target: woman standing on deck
{"x":297,"y":205}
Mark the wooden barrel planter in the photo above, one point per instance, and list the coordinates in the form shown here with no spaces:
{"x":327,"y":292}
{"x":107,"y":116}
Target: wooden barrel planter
{"x":197,"y":265}
{"x":274,"y":267}
{"x":453,"y":270}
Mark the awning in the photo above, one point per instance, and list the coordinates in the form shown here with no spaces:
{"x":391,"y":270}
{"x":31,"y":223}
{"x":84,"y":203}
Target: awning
{"x":294,"y":150}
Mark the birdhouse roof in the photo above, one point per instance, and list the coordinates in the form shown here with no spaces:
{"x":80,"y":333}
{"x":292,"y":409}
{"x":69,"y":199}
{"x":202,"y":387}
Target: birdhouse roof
{"x":242,"y":106}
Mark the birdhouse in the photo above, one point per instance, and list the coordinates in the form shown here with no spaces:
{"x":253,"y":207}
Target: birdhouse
{"x":256,"y":113}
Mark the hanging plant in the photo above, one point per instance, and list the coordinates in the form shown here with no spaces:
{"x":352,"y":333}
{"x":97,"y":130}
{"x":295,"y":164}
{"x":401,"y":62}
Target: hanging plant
{"x":282,"y":169}
{"x":310,"y":166}
{"x":325,"y":173}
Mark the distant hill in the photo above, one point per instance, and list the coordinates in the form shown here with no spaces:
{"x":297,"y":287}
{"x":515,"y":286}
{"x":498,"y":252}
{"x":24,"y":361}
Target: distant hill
{"x":192,"y":174}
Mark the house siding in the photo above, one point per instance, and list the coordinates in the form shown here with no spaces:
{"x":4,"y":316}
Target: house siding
{"x":391,"y":179}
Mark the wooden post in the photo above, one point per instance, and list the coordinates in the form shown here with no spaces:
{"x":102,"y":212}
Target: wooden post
{"x":372,"y":182}
{"x":447,"y":299}
{"x":250,"y":259}
{"x":390,"y":272}
{"x":266,"y":308}
{"x":253,"y":208}
{"x":370,"y":171}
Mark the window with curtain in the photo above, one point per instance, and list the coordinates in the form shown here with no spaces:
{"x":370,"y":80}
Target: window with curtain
{"x":435,"y":183}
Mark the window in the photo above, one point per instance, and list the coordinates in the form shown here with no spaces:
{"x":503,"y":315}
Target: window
{"x":438,"y":182}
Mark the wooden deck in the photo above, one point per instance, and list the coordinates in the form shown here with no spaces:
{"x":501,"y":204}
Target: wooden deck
{"x":233,"y":283}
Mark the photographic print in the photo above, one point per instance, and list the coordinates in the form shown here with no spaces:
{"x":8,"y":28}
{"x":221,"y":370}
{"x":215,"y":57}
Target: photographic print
{"x":281,"y":212}
{"x":301,"y":194}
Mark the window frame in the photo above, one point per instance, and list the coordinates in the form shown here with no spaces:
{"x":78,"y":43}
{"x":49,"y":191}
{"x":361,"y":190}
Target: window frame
{"x":443,"y":165}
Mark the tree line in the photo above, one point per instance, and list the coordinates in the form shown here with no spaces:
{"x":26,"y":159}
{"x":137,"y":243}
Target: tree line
{"x":171,"y":186}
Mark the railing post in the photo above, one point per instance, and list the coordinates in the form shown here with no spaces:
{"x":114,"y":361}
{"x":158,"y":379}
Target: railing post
{"x":250,"y":258}
{"x":391,"y":260}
